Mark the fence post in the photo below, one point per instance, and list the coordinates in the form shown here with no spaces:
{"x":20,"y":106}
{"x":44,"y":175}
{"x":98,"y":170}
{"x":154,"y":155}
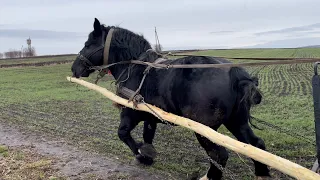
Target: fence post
{"x":316,"y":101}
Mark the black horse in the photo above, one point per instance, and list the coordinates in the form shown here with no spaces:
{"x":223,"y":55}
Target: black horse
{"x":211,"y":96}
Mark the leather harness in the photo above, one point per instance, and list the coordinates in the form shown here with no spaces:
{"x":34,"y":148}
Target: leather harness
{"x":128,"y":93}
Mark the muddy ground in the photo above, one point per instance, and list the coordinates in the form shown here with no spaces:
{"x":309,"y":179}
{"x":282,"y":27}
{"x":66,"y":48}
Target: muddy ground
{"x":35,"y":64}
{"x":70,"y":162}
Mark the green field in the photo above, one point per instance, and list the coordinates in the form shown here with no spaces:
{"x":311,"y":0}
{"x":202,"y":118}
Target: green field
{"x":36,"y":60}
{"x":41,"y":99}
{"x":271,"y":53}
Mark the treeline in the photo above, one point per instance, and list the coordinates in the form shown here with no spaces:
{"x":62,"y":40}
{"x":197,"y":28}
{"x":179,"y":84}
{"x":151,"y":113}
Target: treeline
{"x":12,"y":53}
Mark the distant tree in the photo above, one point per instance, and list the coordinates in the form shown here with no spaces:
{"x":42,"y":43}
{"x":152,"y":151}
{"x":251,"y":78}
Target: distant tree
{"x":12,"y":53}
{"x":9,"y":54}
{"x":29,"y":52}
{"x":16,"y":53}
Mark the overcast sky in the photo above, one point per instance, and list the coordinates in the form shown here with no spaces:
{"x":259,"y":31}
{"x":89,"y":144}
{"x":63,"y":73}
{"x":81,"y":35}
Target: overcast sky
{"x":62,"y":26}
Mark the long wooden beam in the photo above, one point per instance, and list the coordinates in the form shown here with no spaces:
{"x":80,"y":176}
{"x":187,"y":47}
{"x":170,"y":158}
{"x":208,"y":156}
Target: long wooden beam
{"x":260,"y":155}
{"x":254,"y":58}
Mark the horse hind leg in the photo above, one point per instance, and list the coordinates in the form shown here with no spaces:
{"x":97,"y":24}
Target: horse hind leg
{"x":216,"y":153}
{"x":245,"y":134}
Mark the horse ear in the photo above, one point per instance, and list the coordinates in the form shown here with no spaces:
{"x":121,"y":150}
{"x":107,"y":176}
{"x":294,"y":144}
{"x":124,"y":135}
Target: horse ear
{"x":97,"y":26}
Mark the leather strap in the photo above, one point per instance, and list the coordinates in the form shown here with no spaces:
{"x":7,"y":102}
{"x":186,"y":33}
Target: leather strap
{"x":107,"y":47}
{"x":106,"y":50}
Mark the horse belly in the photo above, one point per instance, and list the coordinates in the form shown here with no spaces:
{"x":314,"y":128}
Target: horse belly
{"x":209,"y":109}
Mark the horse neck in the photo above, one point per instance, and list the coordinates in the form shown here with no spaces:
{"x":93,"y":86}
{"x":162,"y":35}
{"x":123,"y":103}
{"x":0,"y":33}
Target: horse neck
{"x":126,"y":46}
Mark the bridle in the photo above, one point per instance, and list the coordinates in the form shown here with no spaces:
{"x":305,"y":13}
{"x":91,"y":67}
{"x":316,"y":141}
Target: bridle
{"x":84,"y":58}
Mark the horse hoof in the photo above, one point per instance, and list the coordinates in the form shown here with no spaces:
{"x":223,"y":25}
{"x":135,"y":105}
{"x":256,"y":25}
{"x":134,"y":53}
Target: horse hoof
{"x":139,"y":144}
{"x":193,"y":176}
{"x":148,"y":150}
{"x":144,"y":160}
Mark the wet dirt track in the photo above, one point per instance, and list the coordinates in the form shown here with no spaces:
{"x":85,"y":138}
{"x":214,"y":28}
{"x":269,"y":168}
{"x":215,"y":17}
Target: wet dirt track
{"x":71,"y":161}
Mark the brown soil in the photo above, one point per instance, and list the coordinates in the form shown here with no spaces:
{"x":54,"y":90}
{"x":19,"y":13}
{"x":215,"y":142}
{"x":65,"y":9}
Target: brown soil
{"x":35,"y":64}
{"x":69,"y":161}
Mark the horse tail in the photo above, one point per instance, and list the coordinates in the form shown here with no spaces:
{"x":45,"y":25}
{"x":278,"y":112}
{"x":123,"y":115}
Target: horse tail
{"x":246,"y":89}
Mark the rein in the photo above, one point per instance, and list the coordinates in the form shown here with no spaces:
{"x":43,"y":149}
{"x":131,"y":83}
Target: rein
{"x":224,"y":65}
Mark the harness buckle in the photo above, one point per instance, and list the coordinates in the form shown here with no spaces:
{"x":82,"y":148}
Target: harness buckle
{"x":101,"y":74}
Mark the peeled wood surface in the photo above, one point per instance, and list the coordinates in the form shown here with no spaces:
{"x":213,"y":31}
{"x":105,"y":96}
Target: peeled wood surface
{"x":265,"y":157}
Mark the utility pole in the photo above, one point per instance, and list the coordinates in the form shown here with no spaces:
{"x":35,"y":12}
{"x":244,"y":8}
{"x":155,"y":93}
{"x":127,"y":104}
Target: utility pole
{"x":21,"y":51}
{"x":158,"y":46}
{"x":29,"y":47}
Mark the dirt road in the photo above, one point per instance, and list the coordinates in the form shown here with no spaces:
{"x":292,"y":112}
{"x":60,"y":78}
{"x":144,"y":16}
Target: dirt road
{"x":70,"y":161}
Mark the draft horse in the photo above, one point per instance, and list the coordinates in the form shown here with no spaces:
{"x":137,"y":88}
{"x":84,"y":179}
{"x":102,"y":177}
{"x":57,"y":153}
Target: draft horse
{"x":211,"y":96}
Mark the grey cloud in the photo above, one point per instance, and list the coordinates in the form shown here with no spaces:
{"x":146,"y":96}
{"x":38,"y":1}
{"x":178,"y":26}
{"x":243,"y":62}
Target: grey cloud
{"x":301,"y":34}
{"x":289,"y":43}
{"x":178,"y":23}
{"x":38,"y":34}
{"x":221,"y":32}
{"x":193,"y":47}
{"x":291,"y":30}
{"x":33,"y":3}
{"x":314,"y":32}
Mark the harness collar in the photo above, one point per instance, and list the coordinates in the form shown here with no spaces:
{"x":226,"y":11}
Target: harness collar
{"x":107,"y":47}
{"x":106,"y":51}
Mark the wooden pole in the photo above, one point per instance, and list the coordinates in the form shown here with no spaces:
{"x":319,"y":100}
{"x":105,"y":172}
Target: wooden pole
{"x":260,"y":155}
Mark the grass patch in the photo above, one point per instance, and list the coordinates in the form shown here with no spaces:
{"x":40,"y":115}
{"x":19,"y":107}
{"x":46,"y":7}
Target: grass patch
{"x":37,"y":59}
{"x":3,"y":149}
{"x":23,"y":164}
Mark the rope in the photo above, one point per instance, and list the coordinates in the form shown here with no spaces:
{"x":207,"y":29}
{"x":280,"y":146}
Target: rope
{"x":224,"y":65}
{"x":285,"y":131}
{"x":225,"y":171}
{"x":154,"y":113}
{"x":248,"y":58}
{"x":245,"y":164}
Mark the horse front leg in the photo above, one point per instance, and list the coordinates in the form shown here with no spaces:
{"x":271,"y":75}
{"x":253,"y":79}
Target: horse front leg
{"x":129,"y":120}
{"x":127,"y":124}
{"x":146,"y":149}
{"x":149,"y":130}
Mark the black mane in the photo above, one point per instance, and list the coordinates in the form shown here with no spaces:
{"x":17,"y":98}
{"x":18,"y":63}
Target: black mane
{"x":127,"y":43}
